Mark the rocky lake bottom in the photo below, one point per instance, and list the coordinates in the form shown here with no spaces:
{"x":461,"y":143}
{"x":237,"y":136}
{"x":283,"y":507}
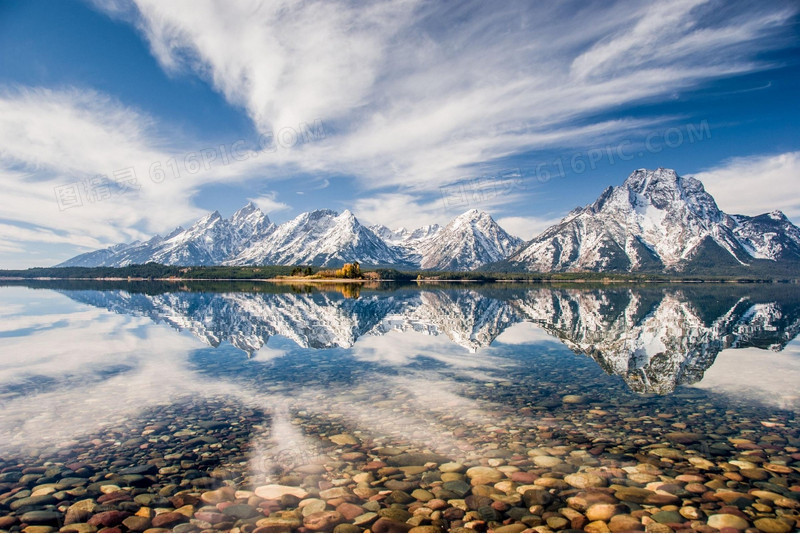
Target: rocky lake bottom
{"x":410,"y":428}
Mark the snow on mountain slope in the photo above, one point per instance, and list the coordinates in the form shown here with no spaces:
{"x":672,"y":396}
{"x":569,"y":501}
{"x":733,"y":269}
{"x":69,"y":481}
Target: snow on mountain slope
{"x":321,"y":237}
{"x":769,"y":236}
{"x":469,"y":241}
{"x":209,"y":241}
{"x":654,"y":220}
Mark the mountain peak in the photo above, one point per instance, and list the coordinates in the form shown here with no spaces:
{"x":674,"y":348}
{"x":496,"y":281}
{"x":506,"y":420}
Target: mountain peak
{"x":211,"y":218}
{"x":777,"y":215}
{"x":655,"y":220}
{"x":248,"y":208}
{"x":472,"y":214}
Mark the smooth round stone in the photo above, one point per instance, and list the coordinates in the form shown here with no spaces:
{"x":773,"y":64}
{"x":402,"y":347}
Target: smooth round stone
{"x":349,"y":510}
{"x":36,"y":529}
{"x":238,"y":511}
{"x":556,"y":522}
{"x":668,"y":517}
{"x":546,"y":461}
{"x":38,"y":517}
{"x":85,"y":528}
{"x":395,"y":514}
{"x":535,"y":497}
{"x":422,"y":495}
{"x":573,"y":399}
{"x":584,"y":480}
{"x":777,"y":468}
{"x":110,"y":518}
{"x":690,"y":512}
{"x":596,"y":526}
{"x":168,"y":519}
{"x":768,"y":524}
{"x":513,"y":527}
{"x":80,"y":511}
{"x":279,"y":524}
{"x":665,"y":452}
{"x":135,"y":523}
{"x":459,"y":487}
{"x":312,"y":506}
{"x":602,"y":512}
{"x":754,"y":474}
{"x":219,"y":495}
{"x":346,"y":527}
{"x":401,"y":497}
{"x":451,"y":467}
{"x":631,"y":494}
{"x":344,"y":439}
{"x":32,"y":501}
{"x":447,"y":477}
{"x":323,"y":521}
{"x":701,"y":463}
{"x":625,"y":523}
{"x":720,"y":521}
{"x":485,"y":474}
{"x":274,"y":492}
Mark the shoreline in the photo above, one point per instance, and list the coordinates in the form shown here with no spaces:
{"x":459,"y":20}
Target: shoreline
{"x":410,"y":281}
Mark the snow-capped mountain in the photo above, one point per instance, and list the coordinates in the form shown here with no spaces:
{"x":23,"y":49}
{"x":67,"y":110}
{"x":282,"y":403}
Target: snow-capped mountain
{"x":656,"y":220}
{"x":769,"y":236}
{"x":209,"y":241}
{"x":322,"y":238}
{"x":469,"y":241}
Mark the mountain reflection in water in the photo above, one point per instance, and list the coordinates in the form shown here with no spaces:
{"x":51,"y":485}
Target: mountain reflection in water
{"x":655,"y":338}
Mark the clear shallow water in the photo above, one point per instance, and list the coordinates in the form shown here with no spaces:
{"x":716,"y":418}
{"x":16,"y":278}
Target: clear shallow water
{"x":253,"y":384}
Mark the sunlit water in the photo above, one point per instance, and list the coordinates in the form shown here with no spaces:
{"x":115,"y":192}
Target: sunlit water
{"x":245,"y":385}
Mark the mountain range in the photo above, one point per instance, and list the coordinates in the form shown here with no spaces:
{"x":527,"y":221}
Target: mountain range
{"x":322,"y":238}
{"x":655,"y":221}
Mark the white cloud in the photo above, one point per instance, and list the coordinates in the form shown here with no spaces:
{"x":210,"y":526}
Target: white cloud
{"x":269,"y":204}
{"x":757,"y":184}
{"x":400,"y":209}
{"x":527,"y":227}
{"x":50,"y":139}
{"x":59,"y":141}
{"x":417,"y":92}
{"x":768,"y":377}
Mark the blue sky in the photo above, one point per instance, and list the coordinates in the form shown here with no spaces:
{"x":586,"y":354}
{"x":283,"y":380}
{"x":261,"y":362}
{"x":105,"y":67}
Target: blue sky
{"x":122,"y":119}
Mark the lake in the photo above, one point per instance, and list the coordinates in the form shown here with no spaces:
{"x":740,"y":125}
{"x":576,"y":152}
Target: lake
{"x":256,"y":407}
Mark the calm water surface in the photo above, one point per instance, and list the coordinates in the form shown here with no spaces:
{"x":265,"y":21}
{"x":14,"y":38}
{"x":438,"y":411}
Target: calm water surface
{"x":256,"y":407}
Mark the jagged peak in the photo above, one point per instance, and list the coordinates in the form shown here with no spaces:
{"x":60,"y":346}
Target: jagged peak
{"x":315,"y":215}
{"x":177,"y":231}
{"x":208,"y":219}
{"x":473,"y":213}
{"x":777,"y":215}
{"x":247,"y":209}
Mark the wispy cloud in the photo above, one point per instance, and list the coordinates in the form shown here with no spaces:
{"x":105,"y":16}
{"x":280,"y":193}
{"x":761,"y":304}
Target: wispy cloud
{"x":417,"y":91}
{"x":757,"y":184}
{"x":51,"y":138}
{"x":269,"y":204}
